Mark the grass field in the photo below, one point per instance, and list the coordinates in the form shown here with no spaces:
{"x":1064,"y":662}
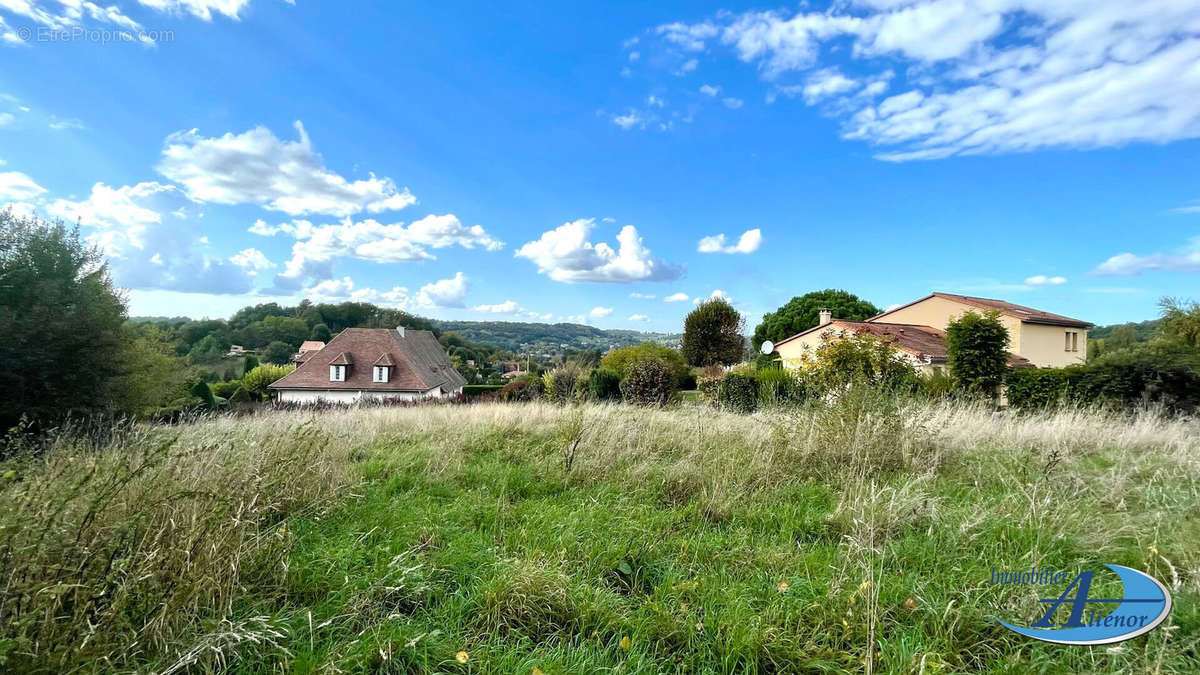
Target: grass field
{"x":530,"y":538}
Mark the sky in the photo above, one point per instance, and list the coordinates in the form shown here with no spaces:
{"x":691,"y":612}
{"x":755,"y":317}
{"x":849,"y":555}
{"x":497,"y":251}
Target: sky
{"x":612,"y":163}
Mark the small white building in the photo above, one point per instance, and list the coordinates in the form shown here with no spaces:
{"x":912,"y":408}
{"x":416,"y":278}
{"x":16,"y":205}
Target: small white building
{"x":371,"y":363}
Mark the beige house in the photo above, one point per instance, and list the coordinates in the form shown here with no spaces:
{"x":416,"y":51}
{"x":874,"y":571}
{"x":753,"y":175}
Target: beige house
{"x":1037,"y":338}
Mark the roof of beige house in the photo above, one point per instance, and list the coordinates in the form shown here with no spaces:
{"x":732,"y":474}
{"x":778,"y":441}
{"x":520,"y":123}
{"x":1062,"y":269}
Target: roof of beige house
{"x":920,"y":341}
{"x":1026,"y":314}
{"x":418,"y":362}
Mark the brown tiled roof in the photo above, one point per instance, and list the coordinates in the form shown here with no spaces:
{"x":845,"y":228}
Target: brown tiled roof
{"x":418,"y":362}
{"x":920,"y":341}
{"x":311,"y":346}
{"x":342,"y":359}
{"x":1026,"y":314}
{"x":386,"y":360}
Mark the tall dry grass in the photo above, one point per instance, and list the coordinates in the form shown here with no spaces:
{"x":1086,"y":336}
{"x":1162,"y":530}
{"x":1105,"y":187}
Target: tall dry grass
{"x":138,"y":547}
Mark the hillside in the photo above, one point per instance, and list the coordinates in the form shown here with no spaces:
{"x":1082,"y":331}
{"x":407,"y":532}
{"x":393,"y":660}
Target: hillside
{"x":1144,"y":330}
{"x":545,"y":338}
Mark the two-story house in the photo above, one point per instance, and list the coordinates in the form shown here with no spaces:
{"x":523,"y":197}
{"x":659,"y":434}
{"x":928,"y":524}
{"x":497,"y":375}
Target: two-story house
{"x":917,"y":331}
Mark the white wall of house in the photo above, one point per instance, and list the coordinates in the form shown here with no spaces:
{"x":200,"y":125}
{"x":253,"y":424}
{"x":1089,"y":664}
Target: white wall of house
{"x":347,"y":396}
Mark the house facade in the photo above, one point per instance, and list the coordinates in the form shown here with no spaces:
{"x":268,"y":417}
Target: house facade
{"x":1046,"y":340}
{"x":371,"y":364}
{"x":917,"y":330}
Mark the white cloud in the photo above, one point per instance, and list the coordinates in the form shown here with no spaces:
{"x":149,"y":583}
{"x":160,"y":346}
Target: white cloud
{"x":677,"y":297}
{"x":6,"y":119}
{"x":629,"y":120}
{"x":716,"y":295}
{"x":565,"y":254}
{"x":1043,"y":280}
{"x":747,"y":243}
{"x":600,"y":312}
{"x":641,"y":296}
{"x":638,"y":317}
{"x":1127,"y":264}
{"x":71,"y":13}
{"x":129,"y":206}
{"x":343,"y":290}
{"x":983,"y":77}
{"x":300,"y":229}
{"x":732,"y":103}
{"x":318,"y":246}
{"x":709,"y":90}
{"x":251,"y":259}
{"x":18,"y":187}
{"x":256,"y":167}
{"x":444,"y":293}
{"x":63,"y":124}
{"x":655,"y":101}
{"x":202,"y":9}
{"x":1193,"y":207}
{"x":825,"y":83}
{"x":511,"y":307}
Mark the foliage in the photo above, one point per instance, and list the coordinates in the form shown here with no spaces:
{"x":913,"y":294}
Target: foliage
{"x":256,"y":381}
{"x":649,"y":382}
{"x":604,"y":385}
{"x":844,"y":361}
{"x":738,"y":392}
{"x":1180,"y":323}
{"x":977,"y":352}
{"x":802,"y":313}
{"x":559,"y":384}
{"x":539,"y":338}
{"x":201,"y":391}
{"x":622,"y":360}
{"x":779,"y":386}
{"x":249,"y":364}
{"x":708,"y":382}
{"x":278,"y":353}
{"x":712,"y":334}
{"x":768,"y":362}
{"x":523,"y":388}
{"x":320,"y":333}
{"x":937,"y":385}
{"x":474,"y":390}
{"x":64,"y":348}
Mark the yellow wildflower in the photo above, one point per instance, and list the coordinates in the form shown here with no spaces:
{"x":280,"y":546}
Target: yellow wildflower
{"x":462,"y":657}
{"x":782,"y":587}
{"x":626,"y":643}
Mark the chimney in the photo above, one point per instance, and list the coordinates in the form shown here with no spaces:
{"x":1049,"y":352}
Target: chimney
{"x":400,"y":330}
{"x":826,"y":317}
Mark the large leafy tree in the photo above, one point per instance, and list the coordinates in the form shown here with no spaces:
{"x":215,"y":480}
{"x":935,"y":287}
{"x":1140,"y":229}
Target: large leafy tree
{"x":63,"y":347}
{"x":802,"y":313}
{"x":712,"y":333}
{"x":977,"y":352}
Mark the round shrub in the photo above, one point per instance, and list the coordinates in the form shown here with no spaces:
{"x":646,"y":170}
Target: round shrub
{"x":650,"y":382}
{"x":524,"y":388}
{"x":738,"y":392}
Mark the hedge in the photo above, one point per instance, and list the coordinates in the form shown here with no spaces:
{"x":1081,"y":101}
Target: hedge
{"x":473,"y":390}
{"x":1165,"y":378}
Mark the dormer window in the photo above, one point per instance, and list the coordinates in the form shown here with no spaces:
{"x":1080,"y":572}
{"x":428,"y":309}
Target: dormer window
{"x":382,"y":370}
{"x":381,"y":374}
{"x":337,"y":373}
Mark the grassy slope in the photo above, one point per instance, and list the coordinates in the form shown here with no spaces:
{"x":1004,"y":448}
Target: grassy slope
{"x":715,"y":543}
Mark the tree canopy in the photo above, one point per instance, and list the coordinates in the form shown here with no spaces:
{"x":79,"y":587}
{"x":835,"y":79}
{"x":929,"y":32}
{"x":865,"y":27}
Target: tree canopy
{"x":802,"y":313}
{"x":712,"y":334}
{"x":977,"y":352}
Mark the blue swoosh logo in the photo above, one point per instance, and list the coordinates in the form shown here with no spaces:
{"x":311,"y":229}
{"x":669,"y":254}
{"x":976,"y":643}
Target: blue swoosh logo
{"x":1145,"y":603}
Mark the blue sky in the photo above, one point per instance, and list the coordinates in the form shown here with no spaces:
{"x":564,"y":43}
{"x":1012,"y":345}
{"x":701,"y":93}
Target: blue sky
{"x":522,"y":161}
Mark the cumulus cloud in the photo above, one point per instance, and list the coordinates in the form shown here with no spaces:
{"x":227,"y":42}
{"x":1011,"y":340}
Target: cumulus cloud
{"x":600,"y":312}
{"x":319,"y":246}
{"x":716,"y":295}
{"x":747,"y":243}
{"x":1128,"y":264}
{"x":1043,"y":280}
{"x":642,"y":296}
{"x":343,"y":290}
{"x":65,"y":14}
{"x":677,"y":297}
{"x":256,"y":167}
{"x":444,"y":293}
{"x":629,"y":120}
{"x":18,"y":187}
{"x":732,"y":103}
{"x":150,"y":233}
{"x":565,"y":254}
{"x":511,"y":307}
{"x":981,"y":78}
{"x":202,"y":9}
{"x":709,"y":90}
{"x":638,"y":317}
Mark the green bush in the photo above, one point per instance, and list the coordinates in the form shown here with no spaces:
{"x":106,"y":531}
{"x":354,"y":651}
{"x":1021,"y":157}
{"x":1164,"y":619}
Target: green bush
{"x":225,"y":389}
{"x":767,"y":362}
{"x":738,"y":392}
{"x":249,"y":364}
{"x":256,"y":381}
{"x":604,"y":385}
{"x":559,"y":384}
{"x":1037,"y":387}
{"x":777,"y":386}
{"x":473,"y":390}
{"x":621,"y":360}
{"x":937,"y":385}
{"x":650,"y":382}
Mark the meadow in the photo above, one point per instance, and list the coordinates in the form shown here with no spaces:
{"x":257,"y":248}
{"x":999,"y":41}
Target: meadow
{"x":854,"y":536}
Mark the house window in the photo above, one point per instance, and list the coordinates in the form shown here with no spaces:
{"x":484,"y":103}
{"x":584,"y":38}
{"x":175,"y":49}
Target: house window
{"x":1071,"y":341}
{"x":381,"y":374}
{"x":337,"y":373}
{"x":1074,"y":341}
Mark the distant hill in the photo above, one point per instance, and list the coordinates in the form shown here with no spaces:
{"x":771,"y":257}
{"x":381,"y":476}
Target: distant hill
{"x":1145,"y":330}
{"x":545,"y":338}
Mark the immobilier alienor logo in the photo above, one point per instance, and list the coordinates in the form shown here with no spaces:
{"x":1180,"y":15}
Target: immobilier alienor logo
{"x":1142,"y":605}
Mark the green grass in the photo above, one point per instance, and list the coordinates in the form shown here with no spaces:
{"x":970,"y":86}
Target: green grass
{"x":854,"y":537}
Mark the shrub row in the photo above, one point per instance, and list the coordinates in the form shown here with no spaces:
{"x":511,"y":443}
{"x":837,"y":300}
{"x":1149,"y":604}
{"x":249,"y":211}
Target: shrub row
{"x":1167,"y":379}
{"x":647,"y":381}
